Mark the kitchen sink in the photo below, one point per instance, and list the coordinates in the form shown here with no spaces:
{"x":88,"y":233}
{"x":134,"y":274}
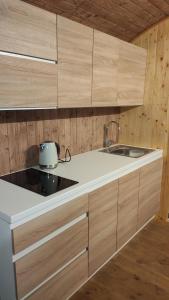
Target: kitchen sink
{"x":129,"y":151}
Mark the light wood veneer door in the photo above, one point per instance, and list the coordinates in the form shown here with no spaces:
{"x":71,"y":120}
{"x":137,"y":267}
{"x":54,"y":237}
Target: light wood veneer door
{"x":102,"y":225}
{"x":150,"y":189}
{"x":38,"y":265}
{"x":75,"y":44}
{"x":28,"y":30}
{"x":127,"y":207}
{"x":27,"y":83}
{"x":131,"y":74}
{"x":61,"y":286}
{"x":36,"y":229}
{"x":105,"y":68}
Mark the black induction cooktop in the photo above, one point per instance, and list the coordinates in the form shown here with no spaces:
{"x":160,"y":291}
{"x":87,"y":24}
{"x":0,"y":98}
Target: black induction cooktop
{"x":40,"y":182}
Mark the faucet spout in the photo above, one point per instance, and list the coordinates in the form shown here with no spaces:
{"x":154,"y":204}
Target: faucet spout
{"x":106,"y":141}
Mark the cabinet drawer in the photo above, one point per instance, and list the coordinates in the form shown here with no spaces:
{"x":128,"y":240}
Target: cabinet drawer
{"x":27,"y":83}
{"x":38,"y":265}
{"x":66,"y":282}
{"x":34,"y":230}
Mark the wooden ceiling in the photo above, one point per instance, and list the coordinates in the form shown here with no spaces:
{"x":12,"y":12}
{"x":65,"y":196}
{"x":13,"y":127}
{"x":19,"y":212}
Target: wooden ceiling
{"x":124,"y":19}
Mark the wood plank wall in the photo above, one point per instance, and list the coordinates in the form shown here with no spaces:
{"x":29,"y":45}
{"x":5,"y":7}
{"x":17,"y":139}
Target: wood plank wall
{"x":149,"y":125}
{"x":22,"y":131}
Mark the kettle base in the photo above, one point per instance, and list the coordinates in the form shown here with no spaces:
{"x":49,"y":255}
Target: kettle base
{"x":48,"y":166}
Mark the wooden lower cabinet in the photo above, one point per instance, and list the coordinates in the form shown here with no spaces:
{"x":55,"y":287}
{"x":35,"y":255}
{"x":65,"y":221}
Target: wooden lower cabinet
{"x":102,"y":224}
{"x":149,"y":191}
{"x":61,"y":286}
{"x":36,"y":229}
{"x":38,"y":265}
{"x":127,"y":207}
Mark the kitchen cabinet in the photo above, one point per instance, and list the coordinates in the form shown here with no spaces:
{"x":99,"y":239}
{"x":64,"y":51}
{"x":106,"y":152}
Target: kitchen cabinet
{"x":131,"y":74}
{"x":127,"y":207}
{"x":50,"y":257}
{"x":105,"y":69}
{"x":75,"y":44}
{"x":36,"y":229}
{"x":62,"y":285}
{"x":149,"y":191}
{"x":27,"y":30}
{"x":102,"y":225}
{"x":27,"y":83}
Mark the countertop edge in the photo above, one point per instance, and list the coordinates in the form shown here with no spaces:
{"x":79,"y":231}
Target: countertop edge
{"x":23,"y":217}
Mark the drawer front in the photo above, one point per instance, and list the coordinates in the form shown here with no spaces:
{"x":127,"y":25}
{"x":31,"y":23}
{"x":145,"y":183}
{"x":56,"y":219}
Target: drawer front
{"x":34,"y":230}
{"x":38,"y":265}
{"x":27,"y":83}
{"x":66,"y":282}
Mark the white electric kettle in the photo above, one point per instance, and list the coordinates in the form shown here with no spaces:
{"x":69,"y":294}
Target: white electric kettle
{"x":49,"y":155}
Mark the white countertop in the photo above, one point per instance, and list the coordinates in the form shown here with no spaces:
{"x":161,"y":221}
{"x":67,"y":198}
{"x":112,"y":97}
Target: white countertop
{"x":91,"y":169}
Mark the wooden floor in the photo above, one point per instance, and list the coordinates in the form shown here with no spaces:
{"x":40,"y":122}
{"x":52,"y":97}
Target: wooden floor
{"x":139,"y":272}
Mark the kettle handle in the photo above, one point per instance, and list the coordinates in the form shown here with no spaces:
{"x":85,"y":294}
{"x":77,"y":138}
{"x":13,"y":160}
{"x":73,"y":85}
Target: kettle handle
{"x":58,"y":149}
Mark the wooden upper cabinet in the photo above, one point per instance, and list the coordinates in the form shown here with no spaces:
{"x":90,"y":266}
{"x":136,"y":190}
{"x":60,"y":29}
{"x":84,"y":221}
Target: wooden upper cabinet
{"x":150,"y":190}
{"x":27,"y":30}
{"x":27,"y":83}
{"x":105,"y":68}
{"x":102,"y":225}
{"x":75,"y":44}
{"x":127,"y":207}
{"x":131,"y":74}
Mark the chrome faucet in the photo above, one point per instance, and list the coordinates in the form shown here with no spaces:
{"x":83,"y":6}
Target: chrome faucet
{"x":107,"y":142}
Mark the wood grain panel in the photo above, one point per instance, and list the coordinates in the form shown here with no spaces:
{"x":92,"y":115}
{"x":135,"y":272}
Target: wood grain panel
{"x":27,"y":83}
{"x":148,"y":125}
{"x":149,"y":191}
{"x":127,"y":207}
{"x":81,"y":129}
{"x":66,"y":282}
{"x":75,"y":44}
{"x":131,"y":74}
{"x":105,"y":68}
{"x":34,"y":230}
{"x":102,"y":225}
{"x":50,"y":257}
{"x":124,"y":19}
{"x":27,"y":30}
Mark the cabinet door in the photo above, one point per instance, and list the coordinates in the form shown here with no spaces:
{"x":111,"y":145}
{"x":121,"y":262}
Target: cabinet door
{"x":65,"y":283}
{"x":28,"y":30}
{"x":75,"y":43}
{"x":105,"y":64}
{"x":127,"y":207}
{"x":131,"y":74}
{"x":27,"y":83}
{"x":150,"y":188}
{"x":102,"y":225}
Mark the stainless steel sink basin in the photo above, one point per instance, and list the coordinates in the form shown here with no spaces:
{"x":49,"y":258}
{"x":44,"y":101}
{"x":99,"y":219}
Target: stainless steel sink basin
{"x":129,"y":151}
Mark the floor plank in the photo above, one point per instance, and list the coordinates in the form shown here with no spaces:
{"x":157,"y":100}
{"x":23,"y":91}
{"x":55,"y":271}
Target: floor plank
{"x":139,"y":272}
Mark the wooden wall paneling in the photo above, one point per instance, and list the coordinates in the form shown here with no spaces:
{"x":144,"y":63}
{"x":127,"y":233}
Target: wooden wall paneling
{"x":27,"y":30}
{"x":21,"y":133}
{"x":4,"y":144}
{"x":75,"y":45}
{"x":84,"y":130}
{"x":149,"y":125}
